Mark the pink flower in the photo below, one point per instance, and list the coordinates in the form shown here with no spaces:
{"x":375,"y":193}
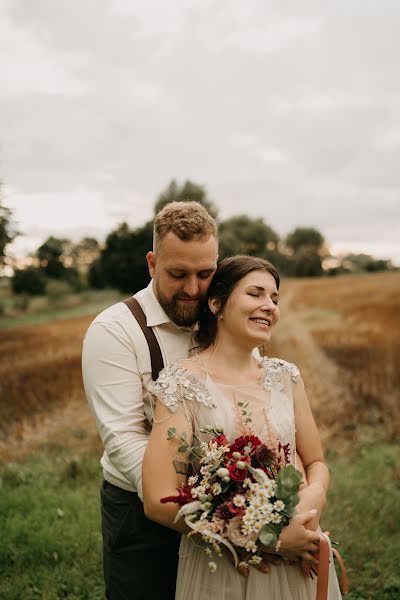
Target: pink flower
{"x":235,"y":535}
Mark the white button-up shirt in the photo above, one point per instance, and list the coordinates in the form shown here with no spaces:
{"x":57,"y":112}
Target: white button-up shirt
{"x":116,"y":370}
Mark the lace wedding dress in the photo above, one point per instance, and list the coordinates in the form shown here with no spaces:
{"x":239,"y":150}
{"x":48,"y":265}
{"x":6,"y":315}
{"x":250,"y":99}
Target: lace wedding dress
{"x":270,"y":408}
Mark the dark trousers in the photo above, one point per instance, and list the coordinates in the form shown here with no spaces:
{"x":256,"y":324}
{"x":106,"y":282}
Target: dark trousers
{"x":140,"y":557}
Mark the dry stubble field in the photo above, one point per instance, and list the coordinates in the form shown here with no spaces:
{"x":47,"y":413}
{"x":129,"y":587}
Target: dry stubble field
{"x":342,"y":332}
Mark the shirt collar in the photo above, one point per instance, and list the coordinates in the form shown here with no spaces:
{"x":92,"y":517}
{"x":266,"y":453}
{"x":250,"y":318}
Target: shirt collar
{"x":155,"y":314}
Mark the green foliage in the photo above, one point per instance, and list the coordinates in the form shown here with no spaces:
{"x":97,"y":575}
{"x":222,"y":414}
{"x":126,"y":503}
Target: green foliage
{"x":28,"y":281}
{"x":7,"y":233}
{"x":96,"y":275}
{"x":50,"y":255}
{"x":187,"y":191}
{"x":268,"y":536}
{"x":306,"y":262}
{"x":304,"y":236}
{"x":243,"y":235}
{"x":122,"y":262}
{"x":306,"y":244}
{"x":364,"y":263}
{"x":84,"y":252}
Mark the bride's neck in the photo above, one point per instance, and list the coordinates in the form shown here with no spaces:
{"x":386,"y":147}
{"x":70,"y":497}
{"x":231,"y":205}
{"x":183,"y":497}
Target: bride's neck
{"x":230,"y":357}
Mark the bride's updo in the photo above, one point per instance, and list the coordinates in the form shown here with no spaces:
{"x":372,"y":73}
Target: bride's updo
{"x":229,"y":272}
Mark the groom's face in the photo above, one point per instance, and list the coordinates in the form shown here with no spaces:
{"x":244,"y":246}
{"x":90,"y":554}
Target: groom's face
{"x":181,"y":273}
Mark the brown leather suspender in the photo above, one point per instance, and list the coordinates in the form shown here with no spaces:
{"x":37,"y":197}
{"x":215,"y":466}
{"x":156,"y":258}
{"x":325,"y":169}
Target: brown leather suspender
{"x":156,"y":358}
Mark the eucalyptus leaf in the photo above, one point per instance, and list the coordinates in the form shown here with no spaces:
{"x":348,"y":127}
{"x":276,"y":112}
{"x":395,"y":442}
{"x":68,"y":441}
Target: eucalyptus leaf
{"x":171,"y":433}
{"x":267,"y":536}
{"x":289,"y":511}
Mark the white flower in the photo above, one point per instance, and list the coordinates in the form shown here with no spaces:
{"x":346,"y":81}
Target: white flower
{"x":239,"y":500}
{"x":193,"y":479}
{"x":247,"y":482}
{"x":255,"y":560}
{"x":216,"y":489}
{"x":251,"y":546}
{"x":275,"y":518}
{"x":212,"y":566}
{"x":208,"y":552}
{"x":279,"y":505}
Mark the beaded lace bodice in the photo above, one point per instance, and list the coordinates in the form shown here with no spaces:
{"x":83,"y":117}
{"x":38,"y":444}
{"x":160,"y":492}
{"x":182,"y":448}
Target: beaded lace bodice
{"x":264,"y":408}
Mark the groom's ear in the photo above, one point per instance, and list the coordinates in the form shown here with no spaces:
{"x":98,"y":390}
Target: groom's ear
{"x":214,"y":305}
{"x":151,"y":263}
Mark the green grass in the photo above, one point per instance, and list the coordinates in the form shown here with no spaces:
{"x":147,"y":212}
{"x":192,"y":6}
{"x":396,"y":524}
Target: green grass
{"x":50,"y":543}
{"x":87,"y":303}
{"x":363,"y":513}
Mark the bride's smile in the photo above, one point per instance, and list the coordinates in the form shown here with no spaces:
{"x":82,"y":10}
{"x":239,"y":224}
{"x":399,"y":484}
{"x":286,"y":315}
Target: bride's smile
{"x":252,"y":311}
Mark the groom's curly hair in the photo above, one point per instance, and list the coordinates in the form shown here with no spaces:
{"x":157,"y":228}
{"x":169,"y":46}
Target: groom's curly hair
{"x":187,"y":220}
{"x":229,"y":272}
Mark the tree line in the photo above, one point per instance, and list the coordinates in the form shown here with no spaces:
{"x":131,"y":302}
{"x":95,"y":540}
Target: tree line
{"x":119,"y":262}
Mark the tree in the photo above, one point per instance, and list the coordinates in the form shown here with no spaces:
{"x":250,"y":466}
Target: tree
{"x":54,"y":256}
{"x":243,"y":235}
{"x":84,"y":253}
{"x":306,"y":245}
{"x":305,"y":236}
{"x":28,"y":281}
{"x":122,"y":263}
{"x":306,"y":262}
{"x":188,"y":191}
{"x":50,"y":255}
{"x":361,"y":263}
{"x":7,"y":233}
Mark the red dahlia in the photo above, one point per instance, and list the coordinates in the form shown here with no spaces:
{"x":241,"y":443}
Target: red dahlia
{"x":243,"y":441}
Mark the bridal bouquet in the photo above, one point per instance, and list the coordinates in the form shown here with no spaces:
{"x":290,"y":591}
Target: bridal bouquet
{"x":242,"y":496}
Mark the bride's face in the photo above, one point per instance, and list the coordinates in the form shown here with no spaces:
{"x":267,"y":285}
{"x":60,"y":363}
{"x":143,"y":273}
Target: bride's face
{"x":251,"y":311}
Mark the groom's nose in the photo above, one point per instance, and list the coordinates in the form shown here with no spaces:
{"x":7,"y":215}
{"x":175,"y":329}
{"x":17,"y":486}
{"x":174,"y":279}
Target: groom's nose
{"x":191,"y":287}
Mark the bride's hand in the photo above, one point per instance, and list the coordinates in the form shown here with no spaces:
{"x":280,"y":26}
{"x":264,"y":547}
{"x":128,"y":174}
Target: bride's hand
{"x":312,"y":496}
{"x":296,"y":540}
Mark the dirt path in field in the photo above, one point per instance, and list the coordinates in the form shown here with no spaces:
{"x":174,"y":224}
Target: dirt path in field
{"x":293,"y":341}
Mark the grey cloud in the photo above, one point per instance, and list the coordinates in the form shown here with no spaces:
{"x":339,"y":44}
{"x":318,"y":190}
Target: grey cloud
{"x":287,"y":114}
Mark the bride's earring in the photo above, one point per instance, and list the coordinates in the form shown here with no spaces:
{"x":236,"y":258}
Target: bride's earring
{"x":219,"y":318}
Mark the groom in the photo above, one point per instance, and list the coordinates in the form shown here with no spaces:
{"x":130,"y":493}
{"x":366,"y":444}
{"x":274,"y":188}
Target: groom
{"x":140,"y":557}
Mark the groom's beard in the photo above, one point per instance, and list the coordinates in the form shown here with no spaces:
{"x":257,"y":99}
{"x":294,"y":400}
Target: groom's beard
{"x":181,"y":313}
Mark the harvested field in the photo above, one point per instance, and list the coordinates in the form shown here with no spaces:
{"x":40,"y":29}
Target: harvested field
{"x":342,"y":332}
{"x":40,"y":383}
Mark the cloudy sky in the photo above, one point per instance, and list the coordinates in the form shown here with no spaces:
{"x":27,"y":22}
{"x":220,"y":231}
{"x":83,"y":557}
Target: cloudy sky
{"x":285,"y":110}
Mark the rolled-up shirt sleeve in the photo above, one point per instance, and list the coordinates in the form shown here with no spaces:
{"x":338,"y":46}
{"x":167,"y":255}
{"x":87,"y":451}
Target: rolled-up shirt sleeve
{"x":113,"y":388}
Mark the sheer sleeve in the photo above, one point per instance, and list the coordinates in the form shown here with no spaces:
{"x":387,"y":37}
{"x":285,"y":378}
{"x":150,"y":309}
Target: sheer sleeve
{"x":177,"y":386}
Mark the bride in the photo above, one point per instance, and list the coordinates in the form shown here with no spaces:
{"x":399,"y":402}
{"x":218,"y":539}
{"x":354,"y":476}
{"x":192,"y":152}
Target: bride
{"x":211,"y":388}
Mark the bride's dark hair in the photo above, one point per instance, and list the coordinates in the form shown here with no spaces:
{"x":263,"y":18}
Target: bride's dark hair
{"x":229,"y":272}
